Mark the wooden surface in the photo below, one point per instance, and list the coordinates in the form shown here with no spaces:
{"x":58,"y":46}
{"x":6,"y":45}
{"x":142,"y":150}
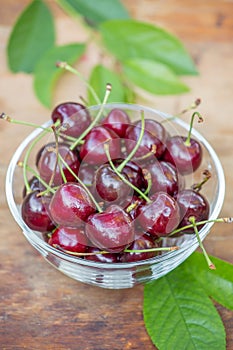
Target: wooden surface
{"x":42,"y":309}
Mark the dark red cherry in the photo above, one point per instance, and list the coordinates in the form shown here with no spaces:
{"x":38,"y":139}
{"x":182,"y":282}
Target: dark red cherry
{"x":165,"y":178}
{"x":117,"y":120}
{"x":134,"y":173}
{"x":161,"y":216}
{"x":109,"y":186}
{"x":73,"y":116}
{"x":144,"y":241}
{"x":35,"y":185}
{"x":185,"y":158}
{"x":93,"y":152}
{"x":86,"y":174}
{"x":154,"y":138}
{"x":103,"y":258}
{"x":69,"y":238}
{"x":194,"y":204}
{"x":47,"y":163}
{"x":111,"y":230}
{"x":71,"y":205}
{"x":35,"y":214}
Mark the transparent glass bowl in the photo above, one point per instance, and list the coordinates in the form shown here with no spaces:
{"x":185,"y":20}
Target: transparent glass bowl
{"x":122,"y":275}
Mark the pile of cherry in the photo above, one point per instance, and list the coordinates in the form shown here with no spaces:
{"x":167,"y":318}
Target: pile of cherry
{"x":111,"y":190}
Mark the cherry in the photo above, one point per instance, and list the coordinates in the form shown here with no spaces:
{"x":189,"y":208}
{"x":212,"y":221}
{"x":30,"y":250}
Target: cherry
{"x":87,"y":174}
{"x":184,"y":153}
{"x":71,"y":205}
{"x":35,"y":214}
{"x":98,"y":257}
{"x":165,"y":178}
{"x":160,"y":216}
{"x":48,"y":166}
{"x":111,"y":230}
{"x":35,"y":185}
{"x":154,"y":138}
{"x":185,"y":158}
{"x":109,"y":186}
{"x":140,"y":243}
{"x":92,"y":151}
{"x":69,"y":238}
{"x":192,"y":204}
{"x":117,"y":120}
{"x":134,"y":173}
{"x":73,"y":116}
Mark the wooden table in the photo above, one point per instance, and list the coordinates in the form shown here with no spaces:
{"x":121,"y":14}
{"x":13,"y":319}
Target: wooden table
{"x":42,"y":309}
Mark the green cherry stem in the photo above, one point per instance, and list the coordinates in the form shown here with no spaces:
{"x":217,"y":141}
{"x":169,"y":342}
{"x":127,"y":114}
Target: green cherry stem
{"x":193,"y":105}
{"x":95,"y":120}
{"x":209,"y":262}
{"x":200,"y":119}
{"x":228,"y":220}
{"x":134,"y":150}
{"x":70,"y":69}
{"x":81,"y":183}
{"x":163,"y":249}
{"x":106,"y":148}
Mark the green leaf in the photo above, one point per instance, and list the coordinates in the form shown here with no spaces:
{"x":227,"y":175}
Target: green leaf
{"x":133,"y":39}
{"x":153,"y":77}
{"x":32,"y":35}
{"x":46,"y":72}
{"x":95,"y":13}
{"x":100,"y":76}
{"x":179,"y":315}
{"x":218,"y":283}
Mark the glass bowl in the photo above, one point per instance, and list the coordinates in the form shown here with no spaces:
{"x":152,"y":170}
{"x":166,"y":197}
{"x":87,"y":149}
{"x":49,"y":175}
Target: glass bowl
{"x":122,"y":275}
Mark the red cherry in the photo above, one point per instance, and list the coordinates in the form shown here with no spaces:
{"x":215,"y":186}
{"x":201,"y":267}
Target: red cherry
{"x":73,"y":116}
{"x":142,"y":242}
{"x":35,"y":214}
{"x":117,"y":120}
{"x":161,"y":216}
{"x":69,"y":238}
{"x":92,"y":151}
{"x":185,"y":158}
{"x":155,"y":136}
{"x":70,"y":205}
{"x":111,"y":230}
{"x":194,"y":204}
{"x":165,"y":178}
{"x":47,"y":160}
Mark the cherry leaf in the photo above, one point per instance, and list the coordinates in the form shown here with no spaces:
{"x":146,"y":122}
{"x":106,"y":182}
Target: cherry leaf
{"x":93,"y":13}
{"x":99,"y":77}
{"x":178,"y":314}
{"x":153,"y":77}
{"x":32,"y":35}
{"x":134,"y":39}
{"x":218,"y":283}
{"x":46,"y":72}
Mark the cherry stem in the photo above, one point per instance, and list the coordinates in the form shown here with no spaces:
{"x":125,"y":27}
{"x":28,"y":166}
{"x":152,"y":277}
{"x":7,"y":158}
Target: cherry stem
{"x":147,"y":155}
{"x":106,"y":148}
{"x":209,"y":262}
{"x":82,"y":184}
{"x":200,"y":119}
{"x":147,"y":177}
{"x":170,"y":249}
{"x":228,"y":220}
{"x":207,"y":175}
{"x":134,"y":150}
{"x":70,"y":69}
{"x":44,"y":183}
{"x":95,"y":120}
{"x":193,"y":105}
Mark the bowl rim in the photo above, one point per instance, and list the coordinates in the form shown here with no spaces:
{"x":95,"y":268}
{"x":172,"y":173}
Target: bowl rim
{"x":113,"y":266}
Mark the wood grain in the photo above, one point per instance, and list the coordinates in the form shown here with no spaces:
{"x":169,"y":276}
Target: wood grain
{"x":42,"y":309}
